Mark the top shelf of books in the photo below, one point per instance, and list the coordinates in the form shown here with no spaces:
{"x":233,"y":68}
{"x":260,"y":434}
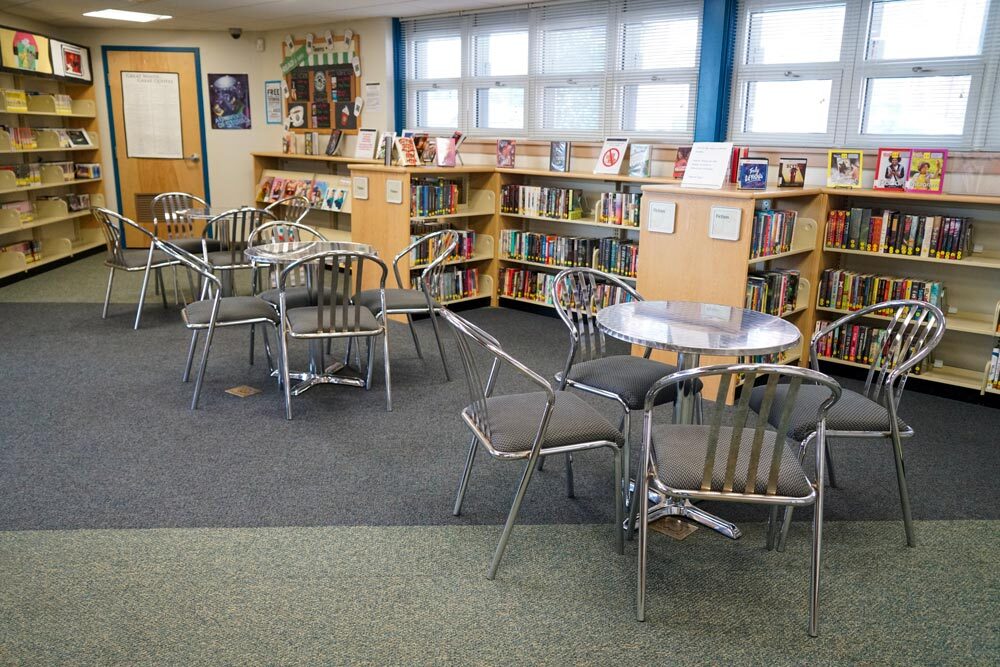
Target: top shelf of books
{"x":947,"y":198}
{"x":587,"y":176}
{"x":316,"y":158}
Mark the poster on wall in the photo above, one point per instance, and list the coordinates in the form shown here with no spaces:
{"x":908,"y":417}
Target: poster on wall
{"x":272,"y":102}
{"x":229,"y":95}
{"x":151,"y":104}
{"x":322,"y":82}
{"x":70,"y":61}
{"x":25,"y":51}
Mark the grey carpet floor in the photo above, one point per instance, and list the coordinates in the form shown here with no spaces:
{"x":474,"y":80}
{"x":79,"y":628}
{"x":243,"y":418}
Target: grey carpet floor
{"x":134,"y":531}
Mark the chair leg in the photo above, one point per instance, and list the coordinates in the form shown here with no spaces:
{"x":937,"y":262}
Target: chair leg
{"x":541,"y":463}
{"x":437,"y":336}
{"x":625,"y":426}
{"x":830,"y":474}
{"x":190,"y":357}
{"x":413,"y":332}
{"x":772,"y":527}
{"x":640,"y":598}
{"x":904,"y":494}
{"x":142,"y":291}
{"x":107,"y":294}
{"x":817,"y":544}
{"x":569,"y":476}
{"x":619,"y":509}
{"x":347,"y":354}
{"x":385,"y":362}
{"x":163,"y":287}
{"x":464,"y":484}
{"x":786,"y":523}
{"x":267,"y":348}
{"x":252,"y":336}
{"x":371,"y":363}
{"x":286,"y":385}
{"x":194,"y":292}
{"x":201,"y":369}
{"x":512,"y":516}
{"x":177,"y":291}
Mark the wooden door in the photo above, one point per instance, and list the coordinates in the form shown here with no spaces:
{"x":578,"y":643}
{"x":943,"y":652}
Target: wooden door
{"x":142,"y":178}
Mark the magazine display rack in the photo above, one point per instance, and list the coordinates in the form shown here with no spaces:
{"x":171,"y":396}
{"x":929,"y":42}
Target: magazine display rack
{"x":53,"y":232}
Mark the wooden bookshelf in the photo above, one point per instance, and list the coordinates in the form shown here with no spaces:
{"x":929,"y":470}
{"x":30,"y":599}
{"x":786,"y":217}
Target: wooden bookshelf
{"x":57,"y":232}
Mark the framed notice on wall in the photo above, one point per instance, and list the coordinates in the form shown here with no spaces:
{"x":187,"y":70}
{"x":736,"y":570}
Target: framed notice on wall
{"x":151,"y":104}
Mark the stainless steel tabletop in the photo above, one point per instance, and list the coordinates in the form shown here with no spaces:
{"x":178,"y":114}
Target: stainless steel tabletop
{"x":291,"y":251}
{"x":698,"y":328}
{"x":202,"y":213}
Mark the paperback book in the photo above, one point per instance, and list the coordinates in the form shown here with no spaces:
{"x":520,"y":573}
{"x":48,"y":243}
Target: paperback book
{"x":752,"y":174}
{"x":559,"y":156}
{"x":681,"y":161}
{"x":505,"y":153}
{"x":640,"y":160}
{"x":406,"y":152}
{"x":446,"y":153}
{"x":792,"y":172}
{"x":333,"y":143}
{"x":927,"y":171}
{"x":891,"y":168}
{"x":843,"y":169}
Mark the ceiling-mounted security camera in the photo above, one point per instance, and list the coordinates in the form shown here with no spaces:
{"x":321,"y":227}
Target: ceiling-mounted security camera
{"x":236,"y":33}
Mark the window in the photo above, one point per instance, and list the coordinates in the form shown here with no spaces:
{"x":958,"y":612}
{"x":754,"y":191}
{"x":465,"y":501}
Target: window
{"x":583,"y":69}
{"x":865,"y":72}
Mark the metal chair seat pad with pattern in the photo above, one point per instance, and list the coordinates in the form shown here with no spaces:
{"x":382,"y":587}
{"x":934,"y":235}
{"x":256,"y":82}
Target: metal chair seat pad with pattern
{"x":514,"y":422}
{"x":231,"y":309}
{"x":296,"y":297}
{"x":395,"y":299}
{"x":683,"y":449}
{"x":853,"y":412}
{"x":136,"y":258}
{"x":305,"y":321}
{"x":626,"y":376}
{"x":193,"y":244}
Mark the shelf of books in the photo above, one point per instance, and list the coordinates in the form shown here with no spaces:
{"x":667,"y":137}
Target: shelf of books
{"x":944,"y":249}
{"x":50,"y":172}
{"x":393,"y":205}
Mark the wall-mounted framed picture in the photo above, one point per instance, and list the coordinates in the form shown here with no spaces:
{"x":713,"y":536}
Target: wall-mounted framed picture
{"x":71,"y":61}
{"x":24,"y":51}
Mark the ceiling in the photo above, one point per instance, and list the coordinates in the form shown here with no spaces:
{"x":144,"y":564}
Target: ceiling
{"x":251,"y":15}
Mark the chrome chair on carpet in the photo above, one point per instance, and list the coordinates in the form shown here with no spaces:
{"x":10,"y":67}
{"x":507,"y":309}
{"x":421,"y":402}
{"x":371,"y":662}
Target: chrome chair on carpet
{"x":577,"y":295}
{"x":424,"y":300}
{"x":292,"y":209}
{"x":526,"y":426}
{"x":214,"y":312}
{"x":334,"y":315}
{"x":913,"y":331}
{"x":169,"y":224}
{"x":130,"y":260}
{"x":737,"y":463}
{"x":231,"y":230}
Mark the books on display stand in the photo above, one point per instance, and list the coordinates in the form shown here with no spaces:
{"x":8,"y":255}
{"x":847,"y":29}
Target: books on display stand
{"x":506,"y":149}
{"x":640,"y":160}
{"x":559,"y":152}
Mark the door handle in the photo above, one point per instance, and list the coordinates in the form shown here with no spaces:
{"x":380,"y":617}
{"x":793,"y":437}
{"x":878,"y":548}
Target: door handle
{"x":194,"y":157}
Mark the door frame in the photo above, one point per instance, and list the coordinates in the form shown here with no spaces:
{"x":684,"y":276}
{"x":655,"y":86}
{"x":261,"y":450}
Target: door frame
{"x":111,"y":111}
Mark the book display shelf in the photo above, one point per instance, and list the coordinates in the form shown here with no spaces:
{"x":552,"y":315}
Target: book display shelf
{"x":325,"y":180}
{"x":551,"y":220}
{"x":393,"y":204}
{"x":44,"y":208}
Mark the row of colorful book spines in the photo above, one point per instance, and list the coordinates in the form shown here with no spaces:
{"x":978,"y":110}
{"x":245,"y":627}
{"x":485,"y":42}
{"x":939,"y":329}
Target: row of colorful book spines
{"x":993,"y":374}
{"x":452,"y":284}
{"x":926,"y":236}
{"x":620,"y":208}
{"x":774,"y":296}
{"x":624,"y":264}
{"x":856,"y":342}
{"x":771,"y":232}
{"x":526,"y":284}
{"x":547,"y":202}
{"x":422,"y":254}
{"x":847,"y":290}
{"x":537,"y":247}
{"x":433,"y":200}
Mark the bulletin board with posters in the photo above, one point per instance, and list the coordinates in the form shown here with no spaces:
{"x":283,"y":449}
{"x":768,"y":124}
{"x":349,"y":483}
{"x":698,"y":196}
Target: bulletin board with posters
{"x":322,"y":78}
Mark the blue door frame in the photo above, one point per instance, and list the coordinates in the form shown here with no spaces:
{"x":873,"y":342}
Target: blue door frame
{"x":201,"y":109}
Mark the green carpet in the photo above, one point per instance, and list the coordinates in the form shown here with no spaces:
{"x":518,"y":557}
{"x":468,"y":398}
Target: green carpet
{"x":419,"y":595}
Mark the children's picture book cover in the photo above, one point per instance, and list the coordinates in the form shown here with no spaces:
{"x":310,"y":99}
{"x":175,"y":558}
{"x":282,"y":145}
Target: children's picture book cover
{"x":559,"y":156}
{"x":752,"y":174}
{"x":891,"y":168}
{"x":927,"y":166}
{"x":681,"y":161}
{"x":843,"y":169}
{"x":407,"y":152}
{"x":792,"y":172}
{"x":505,"y":153}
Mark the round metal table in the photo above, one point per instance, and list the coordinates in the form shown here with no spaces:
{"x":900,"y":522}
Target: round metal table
{"x":692,"y":329}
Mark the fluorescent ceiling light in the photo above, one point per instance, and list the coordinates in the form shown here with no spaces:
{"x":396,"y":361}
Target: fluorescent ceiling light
{"x":121,"y":15}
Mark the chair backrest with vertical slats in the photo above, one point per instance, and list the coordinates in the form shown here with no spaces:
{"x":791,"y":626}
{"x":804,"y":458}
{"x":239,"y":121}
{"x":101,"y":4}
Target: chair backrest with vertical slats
{"x":336,"y":276}
{"x":437,"y":243}
{"x":280,"y":231}
{"x":233,"y":228}
{"x":745,"y":444}
{"x":167,"y":224}
{"x":577,"y":295}
{"x":293,"y":209}
{"x":431,"y":278}
{"x":465,"y":333}
{"x":113,"y":226}
{"x":913,"y":331}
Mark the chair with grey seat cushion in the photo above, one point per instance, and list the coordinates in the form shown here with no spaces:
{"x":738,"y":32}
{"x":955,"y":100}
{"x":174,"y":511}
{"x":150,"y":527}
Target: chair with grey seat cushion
{"x":736,"y":462}
{"x":913,"y":331}
{"x":523,"y":427}
{"x":171,"y":224}
{"x":292,"y":209}
{"x":130,"y":260}
{"x":334,"y":276}
{"x":214,"y":312}
{"x":577,"y":295}
{"x":438,"y":247}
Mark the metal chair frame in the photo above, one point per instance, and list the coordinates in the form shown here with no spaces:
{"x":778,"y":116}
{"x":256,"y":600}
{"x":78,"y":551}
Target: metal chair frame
{"x":113,"y":225}
{"x":351,"y":265}
{"x":292,"y":209}
{"x":649,"y":478}
{"x":476,"y":417}
{"x":914,"y":330}
{"x":236,"y":227}
{"x":214,"y":289}
{"x":169,"y":226}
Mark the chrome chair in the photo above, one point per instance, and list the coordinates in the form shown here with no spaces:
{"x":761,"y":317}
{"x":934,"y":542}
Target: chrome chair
{"x":577,"y":295}
{"x":231,"y":230}
{"x":737,"y":463}
{"x":293,"y":209}
{"x":523,"y":427}
{"x":423,"y":301}
{"x":130,"y":260}
{"x":914,"y":330}
{"x":333,"y":315}
{"x":170,"y":225}
{"x":214,"y":312}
